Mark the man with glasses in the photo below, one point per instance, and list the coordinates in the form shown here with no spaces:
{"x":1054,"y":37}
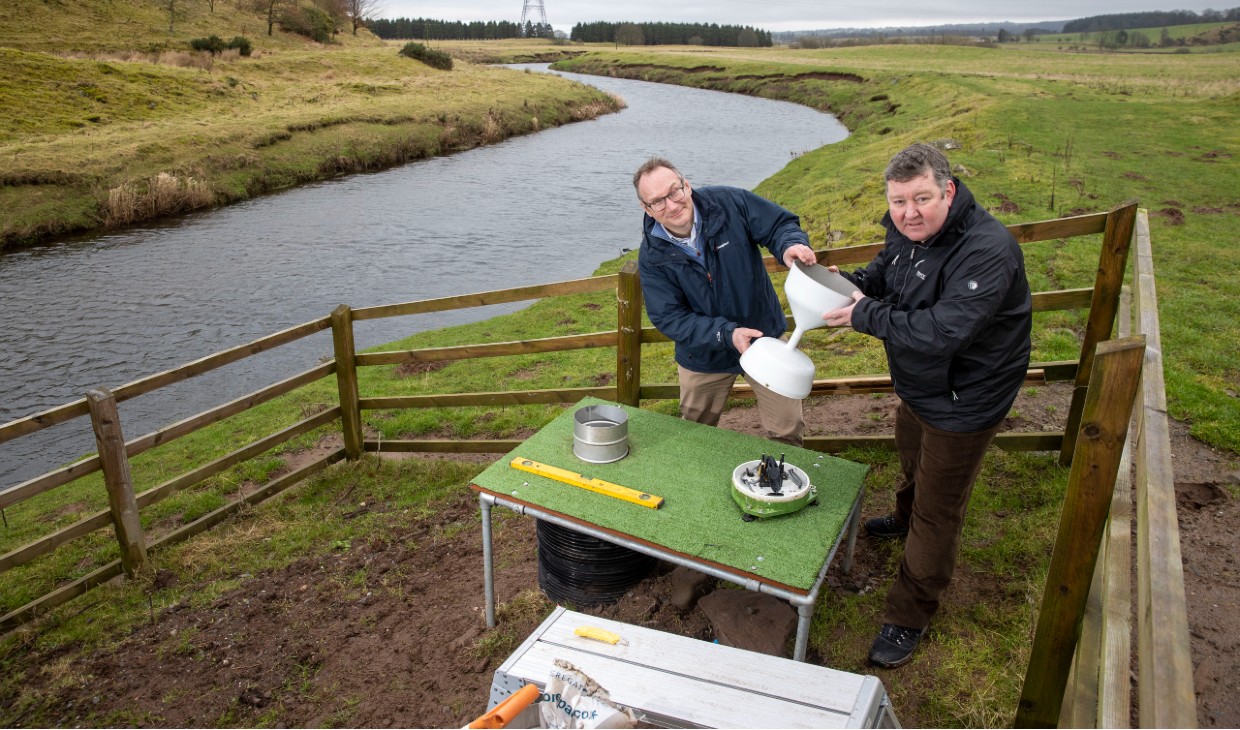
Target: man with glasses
{"x":706,"y":288}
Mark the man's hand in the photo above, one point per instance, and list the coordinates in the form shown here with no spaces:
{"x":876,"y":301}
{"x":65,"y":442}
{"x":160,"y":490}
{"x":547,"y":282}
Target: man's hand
{"x":802,"y":253}
{"x":742,"y":337}
{"x":843,"y":317}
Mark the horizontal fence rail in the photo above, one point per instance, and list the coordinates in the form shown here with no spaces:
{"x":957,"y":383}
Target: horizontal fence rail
{"x":60,"y":414}
{"x":67,"y":474}
{"x":496,"y":349}
{"x":500,"y":296}
{"x":499,"y":398}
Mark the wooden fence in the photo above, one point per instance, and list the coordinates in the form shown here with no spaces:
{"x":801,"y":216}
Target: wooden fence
{"x":1096,"y":693}
{"x":1099,"y":692}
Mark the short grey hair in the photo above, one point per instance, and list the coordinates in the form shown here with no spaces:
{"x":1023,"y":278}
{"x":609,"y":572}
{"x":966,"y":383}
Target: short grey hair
{"x":650,"y":166}
{"x":916,"y":160}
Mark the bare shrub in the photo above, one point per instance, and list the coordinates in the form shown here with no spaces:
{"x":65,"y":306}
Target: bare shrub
{"x":493,"y":129}
{"x":164,"y":194}
{"x":595,"y":109}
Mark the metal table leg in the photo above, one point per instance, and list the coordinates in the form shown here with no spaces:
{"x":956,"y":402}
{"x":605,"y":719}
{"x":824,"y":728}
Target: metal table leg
{"x":854,"y":524}
{"x":488,"y":560}
{"x":805,"y":612}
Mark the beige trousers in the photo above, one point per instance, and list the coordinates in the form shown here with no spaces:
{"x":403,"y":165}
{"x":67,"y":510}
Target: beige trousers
{"x":704,"y":395}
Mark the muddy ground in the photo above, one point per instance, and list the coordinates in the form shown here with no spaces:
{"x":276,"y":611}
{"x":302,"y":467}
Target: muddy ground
{"x":301,"y":647}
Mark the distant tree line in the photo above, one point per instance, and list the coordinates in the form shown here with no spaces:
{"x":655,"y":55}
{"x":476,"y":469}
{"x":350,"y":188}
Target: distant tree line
{"x":1151,"y":19}
{"x":667,"y":34}
{"x":456,"y":30}
{"x":947,"y":34}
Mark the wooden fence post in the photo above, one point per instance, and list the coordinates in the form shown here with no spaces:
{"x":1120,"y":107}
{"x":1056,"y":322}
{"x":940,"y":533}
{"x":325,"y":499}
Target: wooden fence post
{"x":629,"y":336}
{"x":106,"y":421}
{"x":1103,"y":309}
{"x":1107,"y":411}
{"x":346,"y":380}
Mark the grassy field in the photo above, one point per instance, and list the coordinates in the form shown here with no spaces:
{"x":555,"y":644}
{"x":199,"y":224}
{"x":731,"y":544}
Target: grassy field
{"x":1039,"y":135}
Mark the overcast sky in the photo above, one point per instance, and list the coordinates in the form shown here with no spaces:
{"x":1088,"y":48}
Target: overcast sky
{"x":776,"y":15}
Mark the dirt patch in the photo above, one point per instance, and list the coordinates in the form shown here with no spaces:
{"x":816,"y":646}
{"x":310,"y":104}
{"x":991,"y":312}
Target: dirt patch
{"x":1006,"y":204}
{"x":313,"y":646}
{"x":1174,"y":216}
{"x":1134,"y":176}
{"x":1217,"y":209}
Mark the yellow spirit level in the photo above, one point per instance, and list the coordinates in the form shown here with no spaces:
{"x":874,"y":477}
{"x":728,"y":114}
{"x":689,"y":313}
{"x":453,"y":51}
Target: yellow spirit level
{"x":594,"y":485}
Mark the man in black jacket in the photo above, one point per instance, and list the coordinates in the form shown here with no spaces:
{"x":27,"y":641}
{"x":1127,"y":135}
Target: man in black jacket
{"x":948,"y":297}
{"x":706,"y":288}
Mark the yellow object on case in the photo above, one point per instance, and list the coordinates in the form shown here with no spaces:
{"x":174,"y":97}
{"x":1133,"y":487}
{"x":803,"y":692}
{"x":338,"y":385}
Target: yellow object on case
{"x":593,"y":632}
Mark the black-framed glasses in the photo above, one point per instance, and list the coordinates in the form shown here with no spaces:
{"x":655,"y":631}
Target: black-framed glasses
{"x":659,"y":204}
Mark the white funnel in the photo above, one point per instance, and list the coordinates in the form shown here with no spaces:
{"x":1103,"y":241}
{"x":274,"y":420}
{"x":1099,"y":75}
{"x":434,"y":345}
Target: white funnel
{"x":778,"y":365}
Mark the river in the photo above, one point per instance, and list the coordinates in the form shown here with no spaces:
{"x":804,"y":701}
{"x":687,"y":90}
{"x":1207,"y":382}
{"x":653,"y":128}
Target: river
{"x":108,"y":309}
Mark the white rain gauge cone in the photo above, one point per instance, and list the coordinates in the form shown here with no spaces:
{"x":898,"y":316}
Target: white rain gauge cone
{"x":780,"y":366}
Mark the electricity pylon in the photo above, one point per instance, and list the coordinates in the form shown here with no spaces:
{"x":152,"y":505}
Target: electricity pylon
{"x":533,"y":10}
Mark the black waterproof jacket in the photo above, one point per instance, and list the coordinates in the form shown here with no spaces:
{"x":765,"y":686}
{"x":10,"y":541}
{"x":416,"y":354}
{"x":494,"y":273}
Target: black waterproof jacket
{"x":954,"y":314}
{"x":697,"y":305}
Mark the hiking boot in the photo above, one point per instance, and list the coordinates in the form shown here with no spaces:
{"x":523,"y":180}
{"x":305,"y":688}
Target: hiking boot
{"x":894,"y":646}
{"x":886,"y":527}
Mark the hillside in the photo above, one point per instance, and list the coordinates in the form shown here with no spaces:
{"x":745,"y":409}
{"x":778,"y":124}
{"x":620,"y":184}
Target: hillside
{"x":107,"y":118}
{"x":98,"y":26}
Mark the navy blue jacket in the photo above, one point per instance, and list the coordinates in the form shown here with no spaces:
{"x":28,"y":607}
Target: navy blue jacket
{"x":698,"y":306}
{"x":954,"y":315}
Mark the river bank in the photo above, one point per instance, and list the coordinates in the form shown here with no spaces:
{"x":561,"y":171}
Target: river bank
{"x":94,"y":144}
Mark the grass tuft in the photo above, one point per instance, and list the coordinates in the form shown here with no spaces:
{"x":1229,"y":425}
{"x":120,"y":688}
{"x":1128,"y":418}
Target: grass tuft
{"x":163,"y":195}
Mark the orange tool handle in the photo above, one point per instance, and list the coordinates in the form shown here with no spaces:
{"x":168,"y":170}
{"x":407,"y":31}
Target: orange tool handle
{"x":507,"y":711}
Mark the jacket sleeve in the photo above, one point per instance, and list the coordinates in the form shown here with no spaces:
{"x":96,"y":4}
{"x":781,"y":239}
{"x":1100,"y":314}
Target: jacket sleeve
{"x":670,"y":313}
{"x":770,"y":225}
{"x":871,"y":280}
{"x":972,"y":293}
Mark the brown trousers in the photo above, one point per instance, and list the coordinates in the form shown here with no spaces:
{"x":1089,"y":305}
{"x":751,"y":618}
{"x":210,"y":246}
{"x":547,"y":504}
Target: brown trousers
{"x":704,"y":395}
{"x":939,"y":469}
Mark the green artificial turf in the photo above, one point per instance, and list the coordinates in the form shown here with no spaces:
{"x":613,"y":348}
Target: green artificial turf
{"x":690,"y":466}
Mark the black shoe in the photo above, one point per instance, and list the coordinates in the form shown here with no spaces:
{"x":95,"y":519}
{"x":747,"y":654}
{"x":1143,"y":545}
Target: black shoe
{"x":894,"y":646}
{"x":886,"y":527}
